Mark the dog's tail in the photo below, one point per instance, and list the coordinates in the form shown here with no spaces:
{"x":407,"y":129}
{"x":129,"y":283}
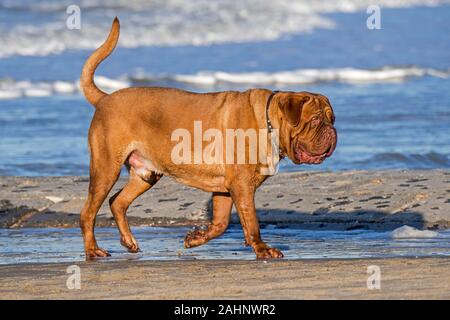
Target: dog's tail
{"x":92,"y":93}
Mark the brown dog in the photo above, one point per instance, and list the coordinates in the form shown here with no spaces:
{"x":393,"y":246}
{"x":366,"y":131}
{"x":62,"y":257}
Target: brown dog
{"x":135,"y":127}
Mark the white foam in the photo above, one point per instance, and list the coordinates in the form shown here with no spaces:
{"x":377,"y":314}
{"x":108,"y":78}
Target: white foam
{"x":174,"y":22}
{"x":10,"y":94}
{"x":64,"y":87}
{"x":109,"y":85}
{"x":38,"y":91}
{"x":407,"y":232}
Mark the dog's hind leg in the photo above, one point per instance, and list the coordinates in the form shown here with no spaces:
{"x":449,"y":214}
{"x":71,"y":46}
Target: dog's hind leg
{"x":222,"y":204}
{"x":120,"y":202}
{"x":104,"y":172}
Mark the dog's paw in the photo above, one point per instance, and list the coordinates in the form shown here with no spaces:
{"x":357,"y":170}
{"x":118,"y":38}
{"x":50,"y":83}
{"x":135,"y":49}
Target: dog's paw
{"x":268,"y":253}
{"x":91,"y":254}
{"x":195,"y":238}
{"x":131,"y":244}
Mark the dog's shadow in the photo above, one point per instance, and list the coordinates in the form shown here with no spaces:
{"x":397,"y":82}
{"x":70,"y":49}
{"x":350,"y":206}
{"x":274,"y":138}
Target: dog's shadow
{"x":340,"y":220}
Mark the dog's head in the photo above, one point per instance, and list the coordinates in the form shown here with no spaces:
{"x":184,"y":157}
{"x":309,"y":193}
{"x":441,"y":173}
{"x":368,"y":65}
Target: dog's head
{"x":307,"y":133}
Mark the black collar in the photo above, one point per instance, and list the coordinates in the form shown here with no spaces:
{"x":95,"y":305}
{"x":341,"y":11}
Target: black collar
{"x":269,"y":123}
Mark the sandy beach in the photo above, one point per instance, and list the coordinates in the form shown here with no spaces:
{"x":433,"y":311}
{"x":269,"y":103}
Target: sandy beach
{"x":315,"y":279}
{"x":377,"y":200}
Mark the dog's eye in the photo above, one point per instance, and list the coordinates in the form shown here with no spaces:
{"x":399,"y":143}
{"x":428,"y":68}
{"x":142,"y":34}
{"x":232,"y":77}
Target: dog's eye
{"x":315,"y":121}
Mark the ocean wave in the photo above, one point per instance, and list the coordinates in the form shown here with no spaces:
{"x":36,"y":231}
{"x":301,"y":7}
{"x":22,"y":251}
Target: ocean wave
{"x":10,"y":89}
{"x":41,"y":31}
{"x":300,"y":76}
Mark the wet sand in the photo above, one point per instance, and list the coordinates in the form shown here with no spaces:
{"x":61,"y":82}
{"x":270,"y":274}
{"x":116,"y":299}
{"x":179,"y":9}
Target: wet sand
{"x":427,"y":278}
{"x":323,"y":200}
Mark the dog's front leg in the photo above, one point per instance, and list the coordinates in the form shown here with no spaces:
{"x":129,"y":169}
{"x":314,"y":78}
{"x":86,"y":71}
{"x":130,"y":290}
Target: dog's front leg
{"x":222,"y":204}
{"x":244,"y":199}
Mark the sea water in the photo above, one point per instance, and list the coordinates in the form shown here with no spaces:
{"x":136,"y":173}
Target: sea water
{"x":47,"y":245}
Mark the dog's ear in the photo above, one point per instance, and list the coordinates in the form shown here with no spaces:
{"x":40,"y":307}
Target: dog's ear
{"x":291,"y":105}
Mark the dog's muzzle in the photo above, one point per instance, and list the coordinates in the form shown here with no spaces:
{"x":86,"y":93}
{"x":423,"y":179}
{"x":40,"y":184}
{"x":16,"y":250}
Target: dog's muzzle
{"x":326,"y":146}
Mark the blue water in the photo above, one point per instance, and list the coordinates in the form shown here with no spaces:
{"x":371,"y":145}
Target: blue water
{"x":381,"y":124}
{"x":65,"y":245}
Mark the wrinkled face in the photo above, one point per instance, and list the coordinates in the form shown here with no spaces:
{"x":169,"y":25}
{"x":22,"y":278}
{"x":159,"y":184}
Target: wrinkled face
{"x":307,"y":131}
